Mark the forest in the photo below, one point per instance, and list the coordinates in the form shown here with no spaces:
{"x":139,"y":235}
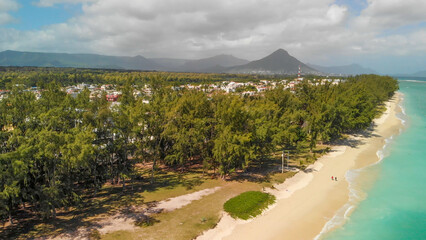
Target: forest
{"x":55,"y":149}
{"x":35,"y":76}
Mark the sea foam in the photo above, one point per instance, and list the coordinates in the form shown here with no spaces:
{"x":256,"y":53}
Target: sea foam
{"x":356,"y":194}
{"x":342,"y":215}
{"x":394,"y":208}
{"x":416,"y":81}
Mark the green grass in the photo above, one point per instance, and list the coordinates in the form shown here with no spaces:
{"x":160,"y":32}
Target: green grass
{"x":248,"y":204}
{"x":188,"y":222}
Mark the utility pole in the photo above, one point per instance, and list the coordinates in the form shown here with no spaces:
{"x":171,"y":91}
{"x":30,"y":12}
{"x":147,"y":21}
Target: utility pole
{"x":282,"y":160}
{"x":288,"y":157}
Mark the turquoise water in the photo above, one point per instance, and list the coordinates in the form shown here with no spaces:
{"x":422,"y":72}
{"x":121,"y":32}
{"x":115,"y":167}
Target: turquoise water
{"x":393,"y":202}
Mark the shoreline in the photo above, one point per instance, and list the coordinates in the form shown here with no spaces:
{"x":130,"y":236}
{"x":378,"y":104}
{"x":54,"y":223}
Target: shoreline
{"x":292,"y":215}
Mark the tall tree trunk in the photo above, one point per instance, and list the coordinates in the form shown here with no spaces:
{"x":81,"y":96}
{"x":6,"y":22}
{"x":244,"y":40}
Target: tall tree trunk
{"x":10,"y":218}
{"x":153,"y":170}
{"x":53,"y":212}
{"x":124,"y":166}
{"x":123,"y":182}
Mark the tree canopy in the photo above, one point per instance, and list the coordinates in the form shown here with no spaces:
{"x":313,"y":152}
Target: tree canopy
{"x":55,"y":148}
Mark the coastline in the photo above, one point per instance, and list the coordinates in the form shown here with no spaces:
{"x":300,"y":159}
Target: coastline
{"x":308,"y":202}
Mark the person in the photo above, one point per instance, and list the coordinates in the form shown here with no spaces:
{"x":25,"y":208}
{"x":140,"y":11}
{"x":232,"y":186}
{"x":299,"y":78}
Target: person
{"x":335,"y":178}
{"x":332,"y":178}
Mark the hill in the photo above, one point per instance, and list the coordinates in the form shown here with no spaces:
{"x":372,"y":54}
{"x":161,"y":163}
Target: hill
{"x":352,"y":69}
{"x":37,"y":59}
{"x":213,"y":64}
{"x":169,"y":64}
{"x":279,"y":62}
{"x":419,"y":74}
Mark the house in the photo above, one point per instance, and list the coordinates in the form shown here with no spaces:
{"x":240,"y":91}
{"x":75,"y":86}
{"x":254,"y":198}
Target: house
{"x":112,"y":97}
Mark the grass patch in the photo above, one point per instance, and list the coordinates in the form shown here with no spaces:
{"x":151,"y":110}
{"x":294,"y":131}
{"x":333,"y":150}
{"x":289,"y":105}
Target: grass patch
{"x":281,"y":177}
{"x":248,"y":204}
{"x":189,"y":221}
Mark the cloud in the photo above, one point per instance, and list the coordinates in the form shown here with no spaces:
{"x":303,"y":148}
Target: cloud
{"x":315,"y":31}
{"x":5,"y":7}
{"x":246,"y":28}
{"x":50,"y":3}
{"x":386,"y":14}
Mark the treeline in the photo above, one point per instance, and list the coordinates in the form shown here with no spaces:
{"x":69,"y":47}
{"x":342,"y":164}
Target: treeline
{"x":34,"y":76}
{"x":54,"y":149}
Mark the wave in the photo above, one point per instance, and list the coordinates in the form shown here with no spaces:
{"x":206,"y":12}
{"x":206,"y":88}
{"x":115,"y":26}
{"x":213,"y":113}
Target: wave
{"x":382,"y":153}
{"x":409,"y":80}
{"x":403,"y":116}
{"x":402,"y":119}
{"x":356,"y":194}
{"x":342,"y":215}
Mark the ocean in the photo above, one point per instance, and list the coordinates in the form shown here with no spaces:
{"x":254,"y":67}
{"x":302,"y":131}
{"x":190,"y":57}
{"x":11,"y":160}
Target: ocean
{"x":388,"y":199}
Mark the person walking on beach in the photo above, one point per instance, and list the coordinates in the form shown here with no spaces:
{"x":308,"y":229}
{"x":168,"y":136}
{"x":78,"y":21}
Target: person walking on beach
{"x":335,"y":178}
{"x":332,"y":178}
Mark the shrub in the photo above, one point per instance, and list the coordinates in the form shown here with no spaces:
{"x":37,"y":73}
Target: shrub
{"x":95,"y":235}
{"x":145,"y":221}
{"x":248,"y":204}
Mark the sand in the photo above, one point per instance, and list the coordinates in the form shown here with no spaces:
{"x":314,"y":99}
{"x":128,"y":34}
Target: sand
{"x":125,"y":220}
{"x":307,"y":201}
{"x":180,"y":201}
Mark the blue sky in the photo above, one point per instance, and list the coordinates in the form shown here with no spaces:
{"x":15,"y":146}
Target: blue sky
{"x":356,"y":6}
{"x":32,"y":17}
{"x":386,"y":35}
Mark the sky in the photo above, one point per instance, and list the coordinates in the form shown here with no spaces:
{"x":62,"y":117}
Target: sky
{"x":388,"y":36}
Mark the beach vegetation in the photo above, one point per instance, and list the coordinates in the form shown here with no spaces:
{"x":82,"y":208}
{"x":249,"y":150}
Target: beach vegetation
{"x":248,"y":204}
{"x":60,"y":152}
{"x":94,"y":235}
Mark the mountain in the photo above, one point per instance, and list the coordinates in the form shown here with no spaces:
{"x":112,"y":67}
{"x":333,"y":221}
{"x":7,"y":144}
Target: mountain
{"x":169,"y":64}
{"x":419,"y":74}
{"x":37,"y":59}
{"x":279,"y":62}
{"x":212,"y":64}
{"x":352,"y":69}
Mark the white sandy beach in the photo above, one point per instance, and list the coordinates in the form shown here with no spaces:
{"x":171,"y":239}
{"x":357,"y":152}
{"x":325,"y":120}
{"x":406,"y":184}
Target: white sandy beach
{"x":307,"y":201}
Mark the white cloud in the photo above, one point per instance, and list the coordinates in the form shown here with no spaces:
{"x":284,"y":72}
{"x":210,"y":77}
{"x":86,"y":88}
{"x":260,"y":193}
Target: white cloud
{"x":179,"y":28}
{"x":50,"y":3}
{"x":313,"y":31}
{"x":5,"y":7}
{"x":385,"y":14}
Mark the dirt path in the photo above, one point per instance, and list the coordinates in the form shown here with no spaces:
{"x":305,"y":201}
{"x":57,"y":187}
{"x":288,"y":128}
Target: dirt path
{"x":125,"y":220}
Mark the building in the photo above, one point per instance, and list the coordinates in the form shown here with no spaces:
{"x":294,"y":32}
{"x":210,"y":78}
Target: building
{"x":112,"y":97}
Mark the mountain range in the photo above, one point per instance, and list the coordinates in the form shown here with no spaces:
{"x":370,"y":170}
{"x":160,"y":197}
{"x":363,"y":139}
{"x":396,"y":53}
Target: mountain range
{"x":352,"y":69}
{"x":36,"y":59}
{"x":212,"y":64}
{"x":420,"y":74}
{"x":279,"y":62}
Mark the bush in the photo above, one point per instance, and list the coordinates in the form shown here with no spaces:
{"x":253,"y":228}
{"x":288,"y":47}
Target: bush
{"x":248,"y":204}
{"x":145,"y":221}
{"x":95,"y":235}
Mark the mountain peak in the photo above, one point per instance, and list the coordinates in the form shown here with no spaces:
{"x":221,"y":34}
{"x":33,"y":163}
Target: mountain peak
{"x":279,"y":62}
{"x":280,"y":51}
